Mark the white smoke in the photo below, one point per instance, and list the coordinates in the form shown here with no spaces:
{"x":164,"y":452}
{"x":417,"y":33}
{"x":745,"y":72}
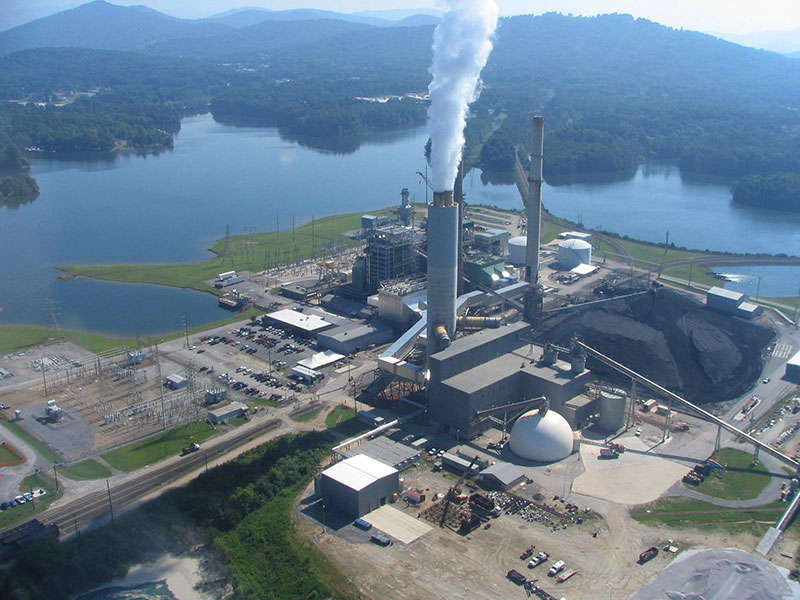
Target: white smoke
{"x":461,"y":47}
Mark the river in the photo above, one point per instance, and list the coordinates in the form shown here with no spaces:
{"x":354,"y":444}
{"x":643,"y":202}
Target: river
{"x":171,"y":206}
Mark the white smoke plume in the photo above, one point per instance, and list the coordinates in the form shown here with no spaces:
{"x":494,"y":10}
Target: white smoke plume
{"x":461,"y":47}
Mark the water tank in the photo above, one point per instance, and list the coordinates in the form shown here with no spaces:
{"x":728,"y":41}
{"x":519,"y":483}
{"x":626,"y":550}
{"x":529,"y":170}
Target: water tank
{"x":542,"y":438}
{"x":516,"y":251}
{"x":612,"y":411}
{"x":572,"y":253}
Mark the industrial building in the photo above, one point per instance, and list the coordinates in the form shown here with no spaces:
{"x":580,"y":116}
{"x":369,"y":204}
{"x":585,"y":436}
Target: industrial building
{"x":234,"y":410}
{"x":357,"y":485}
{"x":793,"y":368}
{"x":732,"y":302}
{"x":388,"y":452}
{"x":390,"y":253}
{"x":176,"y":382}
{"x":300,"y":323}
{"x":493,"y":368}
{"x":353,"y":337}
{"x":501,"y":476}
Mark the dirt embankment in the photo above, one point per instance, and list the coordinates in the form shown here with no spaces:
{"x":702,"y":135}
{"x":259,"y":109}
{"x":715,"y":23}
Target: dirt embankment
{"x":672,"y":339}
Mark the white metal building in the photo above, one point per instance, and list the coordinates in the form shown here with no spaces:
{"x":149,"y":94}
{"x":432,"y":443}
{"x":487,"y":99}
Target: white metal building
{"x":358,"y":485}
{"x":304,"y":324}
{"x":793,"y":368}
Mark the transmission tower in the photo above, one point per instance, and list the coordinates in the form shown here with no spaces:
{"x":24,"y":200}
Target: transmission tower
{"x":52,"y":309}
{"x":226,"y":249}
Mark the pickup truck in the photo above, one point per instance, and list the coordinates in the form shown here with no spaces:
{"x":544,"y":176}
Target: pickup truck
{"x":190,"y":448}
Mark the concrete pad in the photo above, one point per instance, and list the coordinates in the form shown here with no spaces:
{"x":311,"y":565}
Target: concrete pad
{"x":634,"y":478}
{"x":397,"y":524}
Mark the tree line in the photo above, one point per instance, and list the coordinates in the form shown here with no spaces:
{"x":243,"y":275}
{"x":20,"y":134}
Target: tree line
{"x":241,"y":512}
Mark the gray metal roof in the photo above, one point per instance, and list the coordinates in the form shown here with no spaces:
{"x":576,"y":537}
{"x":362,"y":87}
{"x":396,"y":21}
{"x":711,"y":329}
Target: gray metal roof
{"x":505,"y":473}
{"x":723,"y":293}
{"x":386,"y":451}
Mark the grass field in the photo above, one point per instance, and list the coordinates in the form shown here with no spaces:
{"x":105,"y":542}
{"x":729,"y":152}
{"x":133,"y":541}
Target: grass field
{"x":14,"y":338}
{"x":40,"y":447}
{"x":339,"y":415}
{"x":253,"y":252}
{"x":309,"y":416}
{"x":29,"y":509}
{"x":85,"y":470}
{"x":9,"y":455}
{"x":153,"y":449}
{"x":741,"y":480}
{"x":687,"y":512}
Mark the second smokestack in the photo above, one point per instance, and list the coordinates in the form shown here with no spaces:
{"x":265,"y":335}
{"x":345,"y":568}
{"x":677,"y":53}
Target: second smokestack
{"x":535,"y":202}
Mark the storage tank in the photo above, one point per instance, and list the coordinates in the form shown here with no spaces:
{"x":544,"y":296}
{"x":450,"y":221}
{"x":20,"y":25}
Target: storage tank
{"x":516,"y":250}
{"x":572,"y":253}
{"x":612,"y":411}
{"x":541,"y":437}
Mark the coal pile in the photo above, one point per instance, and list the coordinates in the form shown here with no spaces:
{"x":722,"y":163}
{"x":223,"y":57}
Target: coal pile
{"x":669,"y":337}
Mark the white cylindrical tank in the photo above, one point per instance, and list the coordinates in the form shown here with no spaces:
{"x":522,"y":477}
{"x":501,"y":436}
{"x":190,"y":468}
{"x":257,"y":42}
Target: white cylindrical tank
{"x":516,"y":250}
{"x":612,"y":411}
{"x":542,"y":438}
{"x":572,"y":253}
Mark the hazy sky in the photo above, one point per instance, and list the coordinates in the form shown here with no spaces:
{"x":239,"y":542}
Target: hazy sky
{"x":728,"y":16}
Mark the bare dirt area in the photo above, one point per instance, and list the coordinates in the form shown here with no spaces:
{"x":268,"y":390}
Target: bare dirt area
{"x":442,"y":563}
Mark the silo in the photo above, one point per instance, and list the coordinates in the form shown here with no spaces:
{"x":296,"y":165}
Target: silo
{"x":516,"y":250}
{"x":572,"y":253}
{"x":612,"y":411}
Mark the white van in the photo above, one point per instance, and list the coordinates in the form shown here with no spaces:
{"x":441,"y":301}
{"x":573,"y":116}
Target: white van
{"x":556,"y":568}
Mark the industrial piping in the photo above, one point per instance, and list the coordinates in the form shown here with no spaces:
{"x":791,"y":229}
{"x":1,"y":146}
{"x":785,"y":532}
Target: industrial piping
{"x":442,"y":268}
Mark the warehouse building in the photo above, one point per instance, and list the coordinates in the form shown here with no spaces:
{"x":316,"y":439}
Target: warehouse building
{"x":353,"y":337}
{"x":793,"y":368}
{"x":387,"y":452}
{"x":234,"y":410}
{"x":176,"y":382}
{"x":732,"y":302}
{"x":501,"y":476}
{"x":303,"y":324}
{"x":357,"y":485}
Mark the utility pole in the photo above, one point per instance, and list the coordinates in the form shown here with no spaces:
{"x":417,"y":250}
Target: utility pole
{"x":110,"y":506}
{"x":161,"y":388}
{"x":55,"y":475}
{"x":186,"y":329}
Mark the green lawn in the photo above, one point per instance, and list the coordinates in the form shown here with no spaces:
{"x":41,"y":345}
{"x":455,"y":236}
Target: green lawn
{"x":14,"y":338}
{"x":741,"y":480}
{"x":701,"y":274}
{"x":253,"y":252}
{"x":86,"y":469}
{"x":687,"y":512}
{"x":238,"y":421}
{"x":339,"y":415}
{"x":40,"y":447}
{"x":309,"y":416}
{"x":9,"y":456}
{"x":158,"y":447}
{"x":29,"y":509}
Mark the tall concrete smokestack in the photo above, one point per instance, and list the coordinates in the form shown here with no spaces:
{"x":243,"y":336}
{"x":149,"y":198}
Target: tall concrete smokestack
{"x":458,"y":196}
{"x":442,"y":270}
{"x":535,"y":202}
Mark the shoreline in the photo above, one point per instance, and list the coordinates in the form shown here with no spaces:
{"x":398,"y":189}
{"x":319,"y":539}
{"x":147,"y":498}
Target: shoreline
{"x":181,"y":574}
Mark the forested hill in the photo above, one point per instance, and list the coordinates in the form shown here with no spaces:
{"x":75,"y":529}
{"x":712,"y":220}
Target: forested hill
{"x":614,"y":90}
{"x":105,"y":26}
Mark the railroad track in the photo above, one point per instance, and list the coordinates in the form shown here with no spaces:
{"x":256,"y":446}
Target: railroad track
{"x":74,"y":516}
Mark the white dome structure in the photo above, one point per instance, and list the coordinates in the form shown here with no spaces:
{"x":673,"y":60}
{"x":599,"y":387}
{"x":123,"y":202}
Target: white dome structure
{"x":541,"y":437}
{"x":516,"y":250}
{"x":572,"y":253}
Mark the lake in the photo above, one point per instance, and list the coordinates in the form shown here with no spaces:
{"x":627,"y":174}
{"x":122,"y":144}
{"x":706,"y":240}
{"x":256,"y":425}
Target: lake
{"x":171,"y":206}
